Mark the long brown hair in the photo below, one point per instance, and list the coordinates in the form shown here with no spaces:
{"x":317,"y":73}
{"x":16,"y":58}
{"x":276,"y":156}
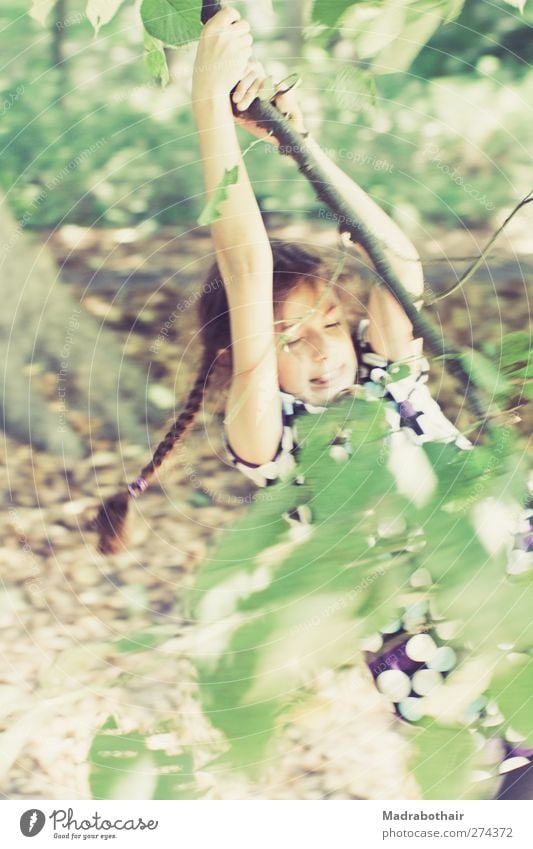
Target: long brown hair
{"x":292,"y":264}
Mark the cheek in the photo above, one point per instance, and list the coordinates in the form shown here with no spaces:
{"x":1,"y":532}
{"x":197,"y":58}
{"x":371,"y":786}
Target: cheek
{"x":290,"y":370}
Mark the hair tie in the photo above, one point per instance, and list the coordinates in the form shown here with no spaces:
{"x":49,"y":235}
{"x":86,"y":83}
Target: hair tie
{"x":138,"y":486}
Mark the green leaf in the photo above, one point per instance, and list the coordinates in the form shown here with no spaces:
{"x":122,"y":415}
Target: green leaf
{"x":515,"y":349}
{"x":400,"y":53}
{"x":329,"y":11}
{"x":454,"y":9}
{"x":173,"y":22}
{"x":211,"y":211}
{"x":123,"y":767}
{"x":525,"y":372}
{"x":39,"y":10}
{"x":234,"y":558}
{"x":248,"y":726}
{"x":502,"y":612}
{"x":144,"y":640}
{"x":354,"y":88}
{"x":527,"y":391}
{"x":443,"y":760}
{"x":512,"y":688}
{"x":155,"y":59}
{"x":100,"y":12}
{"x":484,"y":373}
{"x":383,"y":29}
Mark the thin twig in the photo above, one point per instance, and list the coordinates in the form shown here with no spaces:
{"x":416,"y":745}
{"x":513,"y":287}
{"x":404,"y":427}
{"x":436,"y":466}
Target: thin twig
{"x":483,"y":255}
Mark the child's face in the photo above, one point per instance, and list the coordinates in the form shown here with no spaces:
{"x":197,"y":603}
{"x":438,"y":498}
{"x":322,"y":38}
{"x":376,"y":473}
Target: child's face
{"x":318,"y":360}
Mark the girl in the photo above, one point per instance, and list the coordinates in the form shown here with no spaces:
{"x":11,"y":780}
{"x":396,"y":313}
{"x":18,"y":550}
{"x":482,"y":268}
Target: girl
{"x":284,"y":330}
{"x":288,"y":330}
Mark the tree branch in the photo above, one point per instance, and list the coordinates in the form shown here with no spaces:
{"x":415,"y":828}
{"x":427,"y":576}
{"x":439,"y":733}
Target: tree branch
{"x":479,"y":259}
{"x":293,"y":144}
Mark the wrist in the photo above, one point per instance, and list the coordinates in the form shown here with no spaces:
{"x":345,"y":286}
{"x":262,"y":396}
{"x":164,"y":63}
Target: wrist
{"x":210,"y":97}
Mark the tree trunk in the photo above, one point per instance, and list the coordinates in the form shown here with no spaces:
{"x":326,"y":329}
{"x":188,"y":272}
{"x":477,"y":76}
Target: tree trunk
{"x":41,"y":322}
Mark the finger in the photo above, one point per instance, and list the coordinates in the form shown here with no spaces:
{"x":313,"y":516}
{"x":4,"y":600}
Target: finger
{"x":250,"y":95}
{"x":254,"y":67}
{"x":250,"y":76}
{"x":259,"y":69}
{"x":238,"y":28}
{"x":223,"y":17}
{"x":244,"y":84}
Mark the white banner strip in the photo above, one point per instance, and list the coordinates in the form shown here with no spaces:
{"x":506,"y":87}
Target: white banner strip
{"x":267,"y":824}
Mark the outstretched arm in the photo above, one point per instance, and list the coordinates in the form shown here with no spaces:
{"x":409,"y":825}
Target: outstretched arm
{"x":224,"y":50}
{"x":243,"y":252}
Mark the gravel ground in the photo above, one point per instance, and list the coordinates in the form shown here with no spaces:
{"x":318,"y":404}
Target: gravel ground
{"x":61,"y":601}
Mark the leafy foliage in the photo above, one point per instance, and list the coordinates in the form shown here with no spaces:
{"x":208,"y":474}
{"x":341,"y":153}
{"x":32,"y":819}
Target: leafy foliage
{"x":155,"y":59}
{"x":344,"y":577}
{"x":136,"y":766}
{"x":174,"y":22}
{"x":387,"y":36}
{"x":441,"y":760}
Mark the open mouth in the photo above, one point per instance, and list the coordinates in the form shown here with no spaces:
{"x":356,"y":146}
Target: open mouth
{"x":328,"y":378}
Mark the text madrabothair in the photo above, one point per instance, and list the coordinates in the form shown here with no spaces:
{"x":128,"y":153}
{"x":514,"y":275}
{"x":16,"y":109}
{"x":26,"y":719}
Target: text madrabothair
{"x":422,"y":815}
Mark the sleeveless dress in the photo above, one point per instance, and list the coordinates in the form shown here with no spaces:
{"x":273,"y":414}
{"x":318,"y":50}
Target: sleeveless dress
{"x":410,"y":656}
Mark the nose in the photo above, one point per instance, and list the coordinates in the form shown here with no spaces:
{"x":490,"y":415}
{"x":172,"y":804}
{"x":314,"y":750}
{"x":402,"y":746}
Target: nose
{"x":319,"y":347}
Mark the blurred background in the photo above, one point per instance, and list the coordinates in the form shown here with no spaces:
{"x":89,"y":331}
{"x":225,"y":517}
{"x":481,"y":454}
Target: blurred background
{"x":103,"y":260}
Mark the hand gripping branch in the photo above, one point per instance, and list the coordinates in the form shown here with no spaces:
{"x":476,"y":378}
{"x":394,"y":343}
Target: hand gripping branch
{"x":293,"y":144}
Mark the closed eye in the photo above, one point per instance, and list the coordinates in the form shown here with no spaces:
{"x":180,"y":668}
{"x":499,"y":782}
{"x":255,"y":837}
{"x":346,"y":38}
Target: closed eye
{"x":334,"y":324}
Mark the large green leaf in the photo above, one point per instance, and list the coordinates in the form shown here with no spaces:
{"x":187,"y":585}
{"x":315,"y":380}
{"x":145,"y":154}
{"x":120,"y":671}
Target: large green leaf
{"x":512,"y":688}
{"x":465,"y":477}
{"x":258,"y":531}
{"x":399,"y":34}
{"x":484,"y":373}
{"x":443,"y":760}
{"x":145,"y":640}
{"x":124,"y":766}
{"x":173,"y":22}
{"x":515,"y":348}
{"x":155,"y":59}
{"x":248,"y":726}
{"x":328,"y":12}
{"x":490,"y":607}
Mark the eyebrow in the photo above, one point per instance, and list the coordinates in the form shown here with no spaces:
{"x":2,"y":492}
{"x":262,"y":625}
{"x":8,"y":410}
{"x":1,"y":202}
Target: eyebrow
{"x":286,"y":325}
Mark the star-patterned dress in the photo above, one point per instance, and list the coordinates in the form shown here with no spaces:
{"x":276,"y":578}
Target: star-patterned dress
{"x":410,"y":656}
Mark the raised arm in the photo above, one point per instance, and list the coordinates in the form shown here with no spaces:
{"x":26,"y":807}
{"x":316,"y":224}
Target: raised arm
{"x":242,"y":247}
{"x":390,"y":332}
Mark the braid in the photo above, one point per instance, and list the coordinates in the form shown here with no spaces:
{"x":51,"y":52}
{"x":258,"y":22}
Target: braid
{"x":292,"y":262}
{"x":110,"y":522}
